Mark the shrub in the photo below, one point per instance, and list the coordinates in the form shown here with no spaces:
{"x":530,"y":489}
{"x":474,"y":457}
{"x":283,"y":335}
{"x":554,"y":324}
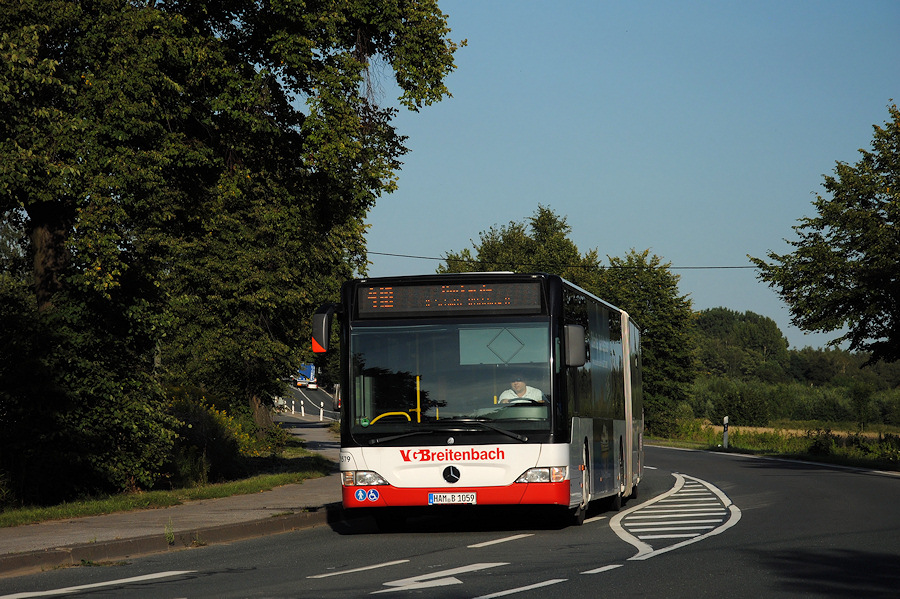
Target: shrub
{"x":209,"y":444}
{"x":822,"y":442}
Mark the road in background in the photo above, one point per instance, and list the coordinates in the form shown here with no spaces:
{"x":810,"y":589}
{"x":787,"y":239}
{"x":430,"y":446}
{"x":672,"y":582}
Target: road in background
{"x":311,"y":401}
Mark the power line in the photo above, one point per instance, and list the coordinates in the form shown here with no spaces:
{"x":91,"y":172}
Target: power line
{"x":520,"y":264}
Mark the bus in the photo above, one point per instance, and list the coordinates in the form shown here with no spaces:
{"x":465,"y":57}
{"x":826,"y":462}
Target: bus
{"x":484,"y":389}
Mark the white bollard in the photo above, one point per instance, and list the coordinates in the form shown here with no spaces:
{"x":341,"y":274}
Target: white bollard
{"x":321,"y":411}
{"x":303,"y":408}
{"x":292,"y":406}
{"x":725,"y":434}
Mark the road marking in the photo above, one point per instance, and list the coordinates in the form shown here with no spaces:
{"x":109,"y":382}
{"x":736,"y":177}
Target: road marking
{"x":603,"y":569}
{"x":728,"y":513}
{"x":538,"y":585}
{"x":503,"y":540}
{"x":363,"y":569}
{"x":594,"y":519}
{"x":97,"y":585}
{"x":664,"y":528}
{"x":436,"y":579}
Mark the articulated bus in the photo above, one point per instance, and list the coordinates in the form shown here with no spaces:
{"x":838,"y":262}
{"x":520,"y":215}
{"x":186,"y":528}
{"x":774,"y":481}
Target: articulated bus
{"x":484,"y":389}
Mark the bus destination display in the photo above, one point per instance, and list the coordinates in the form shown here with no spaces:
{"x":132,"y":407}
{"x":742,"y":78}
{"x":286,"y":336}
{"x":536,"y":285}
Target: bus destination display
{"x":408,"y":300}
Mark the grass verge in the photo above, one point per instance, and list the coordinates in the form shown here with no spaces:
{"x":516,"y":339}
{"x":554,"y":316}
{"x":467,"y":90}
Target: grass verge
{"x":878,"y":451}
{"x":293,"y":466}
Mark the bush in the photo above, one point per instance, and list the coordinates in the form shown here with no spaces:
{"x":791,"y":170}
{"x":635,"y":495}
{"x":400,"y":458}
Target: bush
{"x":209,"y":443}
{"x":745,"y":403}
{"x":213,"y":446}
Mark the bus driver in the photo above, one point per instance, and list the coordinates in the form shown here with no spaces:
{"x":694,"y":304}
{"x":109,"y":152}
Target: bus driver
{"x":519,"y":390}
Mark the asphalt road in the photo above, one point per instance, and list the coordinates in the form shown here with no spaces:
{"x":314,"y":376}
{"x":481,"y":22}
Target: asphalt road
{"x":313,"y":401}
{"x":704,"y":525}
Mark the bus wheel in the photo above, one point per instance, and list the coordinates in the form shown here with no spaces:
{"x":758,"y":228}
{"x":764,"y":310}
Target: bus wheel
{"x":578,"y":515}
{"x":615,"y":502}
{"x":581,"y":510}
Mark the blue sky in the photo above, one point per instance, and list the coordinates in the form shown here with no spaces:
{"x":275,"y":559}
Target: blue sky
{"x":698,"y":130}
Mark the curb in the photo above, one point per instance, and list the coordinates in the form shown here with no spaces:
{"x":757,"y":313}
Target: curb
{"x":17,"y":564}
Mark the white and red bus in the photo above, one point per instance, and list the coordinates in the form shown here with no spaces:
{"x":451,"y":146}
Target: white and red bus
{"x":484,"y":389}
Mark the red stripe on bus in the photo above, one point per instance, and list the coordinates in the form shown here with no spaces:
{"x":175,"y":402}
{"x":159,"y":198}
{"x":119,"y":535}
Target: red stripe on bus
{"x":516,"y":494}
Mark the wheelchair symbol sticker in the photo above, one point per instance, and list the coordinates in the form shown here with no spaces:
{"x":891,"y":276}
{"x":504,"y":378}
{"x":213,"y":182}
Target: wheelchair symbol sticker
{"x":373,"y":495}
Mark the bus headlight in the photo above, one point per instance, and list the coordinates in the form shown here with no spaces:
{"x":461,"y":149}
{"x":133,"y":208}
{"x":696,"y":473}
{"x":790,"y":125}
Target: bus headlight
{"x":362,"y":478}
{"x":554,"y":474}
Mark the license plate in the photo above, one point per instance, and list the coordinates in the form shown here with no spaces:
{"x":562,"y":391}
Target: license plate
{"x":451,"y":498}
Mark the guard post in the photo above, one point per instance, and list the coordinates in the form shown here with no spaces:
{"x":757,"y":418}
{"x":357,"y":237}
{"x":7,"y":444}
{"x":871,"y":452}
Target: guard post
{"x":725,"y":433}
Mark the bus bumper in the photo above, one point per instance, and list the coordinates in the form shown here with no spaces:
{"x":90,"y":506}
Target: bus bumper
{"x":515,"y":494}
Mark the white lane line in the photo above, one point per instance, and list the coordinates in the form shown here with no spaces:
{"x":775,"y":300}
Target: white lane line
{"x":97,"y":585}
{"x":538,"y":585}
{"x":603,"y":569}
{"x":664,"y":528}
{"x":363,"y":569}
{"x":679,"y":510}
{"x":644,"y":519}
{"x":594,"y":519}
{"x":503,"y":540}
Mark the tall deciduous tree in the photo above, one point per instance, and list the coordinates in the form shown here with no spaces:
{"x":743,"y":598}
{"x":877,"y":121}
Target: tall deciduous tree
{"x":742,"y":345}
{"x":844,"y":272}
{"x":640,"y":284}
{"x":193,"y":178}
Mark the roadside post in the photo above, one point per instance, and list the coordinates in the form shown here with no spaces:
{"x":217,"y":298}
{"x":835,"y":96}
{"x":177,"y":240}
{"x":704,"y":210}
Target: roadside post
{"x":725,"y":434}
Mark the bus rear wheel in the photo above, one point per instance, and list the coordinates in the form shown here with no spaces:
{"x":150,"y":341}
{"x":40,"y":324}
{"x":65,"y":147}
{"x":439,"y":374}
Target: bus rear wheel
{"x":615,"y":502}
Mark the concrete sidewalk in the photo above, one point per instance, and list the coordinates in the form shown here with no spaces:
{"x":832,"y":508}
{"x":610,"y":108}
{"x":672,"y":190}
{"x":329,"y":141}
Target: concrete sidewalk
{"x":37,"y":547}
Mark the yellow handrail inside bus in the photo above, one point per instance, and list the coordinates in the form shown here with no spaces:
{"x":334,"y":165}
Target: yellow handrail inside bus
{"x":374,"y":420}
{"x":418,"y":409}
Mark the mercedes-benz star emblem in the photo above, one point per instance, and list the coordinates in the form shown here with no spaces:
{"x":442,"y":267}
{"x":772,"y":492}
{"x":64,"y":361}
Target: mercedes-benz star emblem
{"x":451,"y":474}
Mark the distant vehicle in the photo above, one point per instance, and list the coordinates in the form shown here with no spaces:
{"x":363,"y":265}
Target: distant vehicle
{"x":306,"y":376}
{"x":336,"y":399}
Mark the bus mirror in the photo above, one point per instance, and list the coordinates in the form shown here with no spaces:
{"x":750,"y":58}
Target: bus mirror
{"x":575,"y":353}
{"x":321,"y":328}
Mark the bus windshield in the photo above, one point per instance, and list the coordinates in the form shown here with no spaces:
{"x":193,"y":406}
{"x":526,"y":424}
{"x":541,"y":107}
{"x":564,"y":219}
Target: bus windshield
{"x":414,"y":376}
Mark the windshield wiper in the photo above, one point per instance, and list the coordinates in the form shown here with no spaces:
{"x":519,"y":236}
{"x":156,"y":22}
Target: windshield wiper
{"x":400,"y":436}
{"x":484,"y":424}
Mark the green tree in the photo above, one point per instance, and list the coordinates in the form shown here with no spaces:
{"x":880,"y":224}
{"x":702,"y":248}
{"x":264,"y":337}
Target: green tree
{"x":741,"y":345}
{"x":540,"y":243}
{"x":844,"y":272}
{"x":639,"y":283}
{"x":191,"y":180}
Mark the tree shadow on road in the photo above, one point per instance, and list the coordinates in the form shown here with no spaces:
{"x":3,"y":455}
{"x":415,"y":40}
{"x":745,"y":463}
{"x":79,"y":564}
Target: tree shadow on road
{"x":836,"y":573}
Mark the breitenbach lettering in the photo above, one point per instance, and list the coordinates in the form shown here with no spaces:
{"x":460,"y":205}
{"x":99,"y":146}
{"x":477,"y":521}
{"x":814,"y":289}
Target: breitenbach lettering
{"x":452,"y":455}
